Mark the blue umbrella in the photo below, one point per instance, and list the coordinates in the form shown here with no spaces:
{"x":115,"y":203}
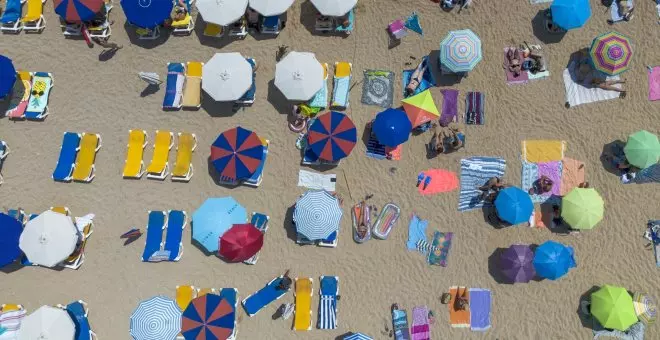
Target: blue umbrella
{"x":391,"y":127}
{"x":10,"y":233}
{"x":213,"y":218}
{"x":514,"y":205}
{"x":570,"y":14}
{"x":7,"y":76}
{"x":156,"y":318}
{"x":317,"y":215}
{"x":552,"y":260}
{"x":147,"y":13}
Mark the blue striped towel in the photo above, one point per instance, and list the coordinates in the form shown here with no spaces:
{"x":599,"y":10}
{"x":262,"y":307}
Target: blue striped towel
{"x":475,"y":172}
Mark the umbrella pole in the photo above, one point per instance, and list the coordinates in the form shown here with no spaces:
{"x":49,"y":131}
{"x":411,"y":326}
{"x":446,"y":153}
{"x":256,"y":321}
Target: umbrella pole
{"x":347,"y":186}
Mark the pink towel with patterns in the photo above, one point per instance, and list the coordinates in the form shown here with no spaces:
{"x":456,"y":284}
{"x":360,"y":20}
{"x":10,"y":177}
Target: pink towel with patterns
{"x":420,"y":329}
{"x":654,"y":83}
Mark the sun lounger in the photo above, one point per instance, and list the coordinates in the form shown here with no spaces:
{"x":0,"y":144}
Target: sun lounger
{"x":70,"y":29}
{"x":102,"y":31}
{"x":154,"y":232}
{"x":324,"y":23}
{"x":271,"y":25}
{"x":34,"y":21}
{"x":67,"y":160}
{"x":400,"y":324}
{"x":331,"y":241}
{"x":11,"y":17}
{"x":61,"y":210}
{"x":184,"y":26}
{"x":342,"y":83}
{"x":184,"y":295}
{"x":192,"y":97}
{"x":174,"y":88}
{"x":238,"y":29}
{"x":258,"y":175}
{"x":328,"y":302}
{"x":159,"y":166}
{"x":263,"y":297}
{"x":248,"y":97}
{"x":231,"y":296}
{"x":148,"y":33}
{"x":176,"y":222}
{"x":303,"y":311}
{"x":78,"y":312}
{"x":204,"y":291}
{"x":213,"y":30}
{"x":348,"y":29}
{"x":11,"y":317}
{"x":260,"y":221}
{"x":84,"y":168}
{"x":20,"y":95}
{"x":133,"y":165}
{"x":77,"y":258}
{"x":42,"y":83}
{"x":183,"y":168}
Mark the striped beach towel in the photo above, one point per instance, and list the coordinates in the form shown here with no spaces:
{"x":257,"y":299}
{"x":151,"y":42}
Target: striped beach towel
{"x":10,"y":322}
{"x":328,"y":302}
{"x":424,"y":247}
{"x":474,"y":108}
{"x":475,"y":172}
{"x":420,"y":329}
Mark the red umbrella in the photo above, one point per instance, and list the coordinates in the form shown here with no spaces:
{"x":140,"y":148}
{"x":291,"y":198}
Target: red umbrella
{"x":240,"y":242}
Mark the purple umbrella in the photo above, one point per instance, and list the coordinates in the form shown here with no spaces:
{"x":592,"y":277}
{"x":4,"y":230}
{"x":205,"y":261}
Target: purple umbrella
{"x":516,"y":263}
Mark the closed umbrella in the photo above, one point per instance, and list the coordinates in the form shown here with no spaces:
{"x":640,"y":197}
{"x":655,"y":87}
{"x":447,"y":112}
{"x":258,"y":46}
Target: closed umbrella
{"x":391,"y":127}
{"x":147,"y":13}
{"x":332,"y":136}
{"x":213,"y":218}
{"x":7,"y":76}
{"x":209,"y":317}
{"x":642,"y":149}
{"x":237,"y":153}
{"x":420,"y":108}
{"x":77,"y":10}
{"x":240,"y":242}
{"x":221,"y":12}
{"x":611,"y":53}
{"x":10,"y":233}
{"x":227,"y":76}
{"x":270,"y":7}
{"x":553,"y":260}
{"x":299,"y":76}
{"x":49,"y":238}
{"x":47,"y":322}
{"x":582,"y":208}
{"x":334,"y":8}
{"x":570,"y":14}
{"x":516,"y":263}
{"x":156,"y":318}
{"x":645,"y":308}
{"x":317,"y":215}
{"x":514,"y":205}
{"x":613,"y":307}
{"x":460,"y":51}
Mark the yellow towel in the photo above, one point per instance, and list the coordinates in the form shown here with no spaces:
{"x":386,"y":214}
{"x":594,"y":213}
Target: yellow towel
{"x":541,"y":151}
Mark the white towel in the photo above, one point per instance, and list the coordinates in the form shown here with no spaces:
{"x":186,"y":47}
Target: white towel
{"x":577,"y":94}
{"x":314,"y":180}
{"x":614,"y":10}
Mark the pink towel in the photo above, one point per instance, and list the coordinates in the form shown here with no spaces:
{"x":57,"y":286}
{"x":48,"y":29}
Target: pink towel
{"x":654,"y":83}
{"x":420,"y":329}
{"x":552,"y":171}
{"x":522,"y":78}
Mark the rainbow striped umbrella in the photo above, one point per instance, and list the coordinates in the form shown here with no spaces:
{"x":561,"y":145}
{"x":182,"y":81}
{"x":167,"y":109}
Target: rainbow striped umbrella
{"x":210,"y":317}
{"x":611,"y":53}
{"x":460,"y":51}
{"x":332,"y":136}
{"x":77,"y":10}
{"x":237,"y":153}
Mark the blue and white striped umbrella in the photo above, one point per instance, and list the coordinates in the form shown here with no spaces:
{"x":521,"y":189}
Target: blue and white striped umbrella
{"x":156,"y":318}
{"x":317,"y":215}
{"x":357,"y":336}
{"x":460,"y":51}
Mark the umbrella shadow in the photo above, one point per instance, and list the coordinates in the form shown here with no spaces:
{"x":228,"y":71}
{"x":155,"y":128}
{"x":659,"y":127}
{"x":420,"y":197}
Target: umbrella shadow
{"x":289,"y":225}
{"x":540,"y":31}
{"x":308,"y":15}
{"x":277,"y":99}
{"x":149,"y":90}
{"x":259,"y":36}
{"x":494,"y":267}
{"x":586,"y":319}
{"x":610,"y":151}
{"x":205,"y":40}
{"x":547,"y":216}
{"x":218,"y":109}
{"x":491,"y":217}
{"x":146,"y":43}
{"x":442,"y":78}
{"x":12,"y":267}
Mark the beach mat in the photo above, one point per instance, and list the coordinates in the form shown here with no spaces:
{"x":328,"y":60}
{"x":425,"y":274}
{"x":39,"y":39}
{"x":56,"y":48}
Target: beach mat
{"x":578,"y":94}
{"x":552,"y":170}
{"x":449,"y":107}
{"x":511,"y":79}
{"x":572,"y":175}
{"x":440,"y":248}
{"x":441,"y":181}
{"x":475,"y":172}
{"x":539,"y":151}
{"x":420,"y":328}
{"x":416,"y":232}
{"x":529,"y":175}
{"x":654,"y":83}
{"x":312,"y":180}
{"x":480,"y":304}
{"x":474,"y":108}
{"x":378,"y":88}
{"x":393,"y":154}
{"x":458,"y":318}
{"x":531,"y":172}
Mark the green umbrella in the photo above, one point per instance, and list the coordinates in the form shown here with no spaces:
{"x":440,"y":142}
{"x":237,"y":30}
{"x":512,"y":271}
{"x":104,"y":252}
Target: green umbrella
{"x":642,"y":149}
{"x":582,"y":208}
{"x":613,"y":308}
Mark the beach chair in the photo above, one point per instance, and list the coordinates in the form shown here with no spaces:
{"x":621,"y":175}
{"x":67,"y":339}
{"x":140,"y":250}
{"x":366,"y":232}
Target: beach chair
{"x":183,"y":168}
{"x":328,"y":302}
{"x":17,"y":214}
{"x":20,"y":95}
{"x":79,"y":312}
{"x":103,"y":31}
{"x":184,"y":26}
{"x":342,"y":83}
{"x":61,"y":210}
{"x":331,"y":241}
{"x":148,"y":33}
{"x":70,"y":29}
{"x":11,"y":316}
{"x":248,"y":97}
{"x":176,"y":222}
{"x":42,"y":83}
{"x":192,"y":98}
{"x":85,"y":170}
{"x":133,"y":165}
{"x":174,"y":86}
{"x":67,"y":160}
{"x":348,"y":29}
{"x":213,"y":30}
{"x":204,"y":291}
{"x":324,"y":23}
{"x":11,"y":17}
{"x":260,"y":221}
{"x":159,"y":166}
{"x":34,"y":21}
{"x":303,"y":311}
{"x":258,"y":175}
{"x":320,"y":99}
{"x":271,"y":25}
{"x":184,"y":295}
{"x":231,"y":296}
{"x":77,"y":258}
{"x":154,"y":232}
{"x":239,"y":28}
{"x":263,"y":297}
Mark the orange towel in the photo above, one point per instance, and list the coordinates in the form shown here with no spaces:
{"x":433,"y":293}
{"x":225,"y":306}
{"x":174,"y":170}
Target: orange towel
{"x":441,"y":181}
{"x":393,"y":153}
{"x":458,"y":318}
{"x":572,"y":175}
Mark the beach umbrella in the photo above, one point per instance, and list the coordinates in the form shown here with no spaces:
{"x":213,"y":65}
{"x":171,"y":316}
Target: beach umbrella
{"x":269,"y":8}
{"x":391,"y":127}
{"x":237,"y":153}
{"x":221,"y":12}
{"x":582,"y":208}
{"x":642,"y":149}
{"x":516,"y":263}
{"x":460,"y":51}
{"x":240,"y":242}
{"x":357,"y":336}
{"x":299,"y":76}
{"x":147,"y":13}
{"x":334,"y":8}
{"x":552,"y":260}
{"x":213,"y":218}
{"x":420,"y":108}
{"x":49,"y":238}
{"x":208,"y":317}
{"x":611,"y":53}
{"x":7,"y":76}
{"x":156,"y":318}
{"x":227,"y":76}
{"x":570,"y":14}
{"x":645,"y":308}
{"x":332,"y":136}
{"x":77,"y":10}
{"x":10,"y":233}
{"x":514,"y":205}
{"x":613,"y":307}
{"x":317,"y":215}
{"x":47,"y":322}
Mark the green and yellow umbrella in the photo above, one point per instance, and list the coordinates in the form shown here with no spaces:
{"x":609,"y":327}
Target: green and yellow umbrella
{"x":420,"y":108}
{"x":645,"y":308}
{"x":582,"y":208}
{"x":613,"y":307}
{"x":642,"y":149}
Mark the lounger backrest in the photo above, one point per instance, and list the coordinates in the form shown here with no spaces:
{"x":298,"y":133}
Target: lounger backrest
{"x":260,"y":221}
{"x":194,"y":69}
{"x":162,"y":143}
{"x":175,"y":222}
{"x":68,"y":152}
{"x":185,"y":294}
{"x":86,"y":156}
{"x":342,"y":70}
{"x":12,"y":13}
{"x":77,"y":313}
{"x":136,"y":139}
{"x":41,"y":83}
{"x":35,"y":8}
{"x":154,"y":233}
{"x":184,"y":154}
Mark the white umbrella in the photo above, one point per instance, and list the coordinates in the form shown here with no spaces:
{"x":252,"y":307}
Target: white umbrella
{"x":299,"y":76}
{"x":47,"y":323}
{"x":334,"y":8}
{"x":222,"y":12}
{"x":227,"y":76}
{"x":270,"y":7}
{"x":49,"y":238}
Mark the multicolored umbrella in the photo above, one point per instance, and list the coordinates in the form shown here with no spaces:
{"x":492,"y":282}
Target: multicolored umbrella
{"x":240,"y":242}
{"x":611,"y":53}
{"x":420,"y":108}
{"x":213,"y":218}
{"x":10,"y":232}
{"x":7,"y":76}
{"x":460,"y":51}
{"x":582,"y":208}
{"x":147,"y":13}
{"x":645,"y":308}
{"x":208,"y":317}
{"x":237,"y":153}
{"x":77,"y":10}
{"x":317,"y":215}
{"x":516,"y":263}
{"x":156,"y":318}
{"x":514,"y":205}
{"x":570,"y":14}
{"x":391,"y":127}
{"x":332,"y":136}
{"x":642,"y":149}
{"x":357,"y":336}
{"x":613,"y":307}
{"x":553,"y":260}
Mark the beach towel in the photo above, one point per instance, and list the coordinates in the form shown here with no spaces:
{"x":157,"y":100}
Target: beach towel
{"x":480,"y":302}
{"x":654,"y":83}
{"x":538,"y":75}
{"x":615,"y":14}
{"x":416,"y":232}
{"x":578,"y":94}
{"x":420,"y":329}
{"x":531,"y":172}
{"x":653,"y":231}
{"x":441,"y":181}
{"x":552,"y":170}
{"x":572,"y":175}
{"x":19,"y":97}
{"x":320,"y":99}
{"x":458,"y":318}
{"x":340,"y":91}
{"x":393,"y":154}
{"x":378,"y":88}
{"x":539,"y":151}
{"x":427,"y":82}
{"x":12,"y":12}
{"x":475,"y":172}
{"x":529,"y":175}
{"x":314,"y":180}
{"x":449,"y":107}
{"x":400,"y":324}
{"x":474,"y":108}
{"x":440,"y":248}
{"x":41,"y":85}
{"x":11,"y":323}
{"x":174,"y":89}
{"x":511,"y":79}
{"x":412,"y":23}
{"x":648,"y":175}
{"x":375,"y":149}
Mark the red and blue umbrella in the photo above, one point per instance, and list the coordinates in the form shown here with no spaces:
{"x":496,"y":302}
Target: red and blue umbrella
{"x":77,"y":10}
{"x":332,"y":136}
{"x":237,"y":153}
{"x":7,"y":76}
{"x":208,"y":317}
{"x":10,"y":232}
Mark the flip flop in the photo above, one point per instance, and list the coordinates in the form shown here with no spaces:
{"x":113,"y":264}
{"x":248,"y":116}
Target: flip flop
{"x":420,"y":178}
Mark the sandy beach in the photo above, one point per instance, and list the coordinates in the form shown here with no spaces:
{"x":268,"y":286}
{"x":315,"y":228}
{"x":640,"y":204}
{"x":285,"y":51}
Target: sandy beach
{"x":102,"y":94}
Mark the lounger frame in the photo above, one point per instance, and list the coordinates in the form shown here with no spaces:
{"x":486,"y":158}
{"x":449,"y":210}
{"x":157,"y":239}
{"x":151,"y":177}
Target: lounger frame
{"x":270,"y":29}
{"x":151,"y":33}
{"x":144,"y":145}
{"x":188,"y":175}
{"x":262,"y":307}
{"x":184,"y":30}
{"x":239,"y":31}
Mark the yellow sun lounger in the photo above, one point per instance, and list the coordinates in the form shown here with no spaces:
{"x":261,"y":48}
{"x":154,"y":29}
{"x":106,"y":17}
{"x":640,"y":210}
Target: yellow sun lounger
{"x":192,"y":97}
{"x":159,"y":167}
{"x":213,"y":30}
{"x":183,"y":169}
{"x":84,"y":170}
{"x":185,"y":294}
{"x":303,"y":316}
{"x":133,"y":165}
{"x":204,"y":291}
{"x":34,"y":21}
{"x":62,"y":210}
{"x":184,"y":26}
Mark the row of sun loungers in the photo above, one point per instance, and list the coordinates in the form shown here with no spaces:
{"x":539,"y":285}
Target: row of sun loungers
{"x":14,"y":22}
{"x":155,"y":250}
{"x":77,"y":157}
{"x":159,"y":167}
{"x":29,"y":97}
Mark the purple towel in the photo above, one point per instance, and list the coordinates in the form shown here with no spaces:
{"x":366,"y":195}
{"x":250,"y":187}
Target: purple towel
{"x":552,"y":170}
{"x":449,"y":107}
{"x":480,"y":302}
{"x":474,"y":108}
{"x":420,"y":329}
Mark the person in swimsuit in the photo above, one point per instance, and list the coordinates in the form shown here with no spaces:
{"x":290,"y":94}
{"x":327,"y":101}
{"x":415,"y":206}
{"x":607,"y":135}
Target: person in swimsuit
{"x":514,"y":65}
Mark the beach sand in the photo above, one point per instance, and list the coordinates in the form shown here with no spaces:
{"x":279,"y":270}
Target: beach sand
{"x":98,"y":94}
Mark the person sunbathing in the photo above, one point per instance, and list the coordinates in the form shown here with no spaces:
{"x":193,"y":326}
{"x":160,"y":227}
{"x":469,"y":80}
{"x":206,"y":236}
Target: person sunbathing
{"x":435,"y":145}
{"x":541,"y":186}
{"x":415,"y":79}
{"x":180,"y":11}
{"x":493,"y":183}
{"x":609,"y":85}
{"x":457,"y":138}
{"x":285,"y":283}
{"x":513,"y":58}
{"x":461,"y":302}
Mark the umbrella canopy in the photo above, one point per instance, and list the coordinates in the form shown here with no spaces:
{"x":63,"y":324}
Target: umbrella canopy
{"x":10,"y":233}
{"x":221,"y":13}
{"x":516,"y":263}
{"x":514,"y":205}
{"x":299,"y":76}
{"x":582,"y":208}
{"x":47,"y":322}
{"x":420,"y":108}
{"x":613,"y":307}
{"x":570,"y":14}
{"x":7,"y":76}
{"x":147,"y":13}
{"x":208,"y":317}
{"x":213,"y":218}
{"x":332,"y":136}
{"x":237,"y":153}
{"x":227,"y":76}
{"x":156,"y":318}
{"x":552,"y":260}
{"x":460,"y":51}
{"x":270,"y":7}
{"x":391,"y":127}
{"x":642,"y":149}
{"x":645,"y":308}
{"x":77,"y":10}
{"x":611,"y":53}
{"x":317,"y":215}
{"x":240,"y":242}
{"x":49,"y":238}
{"x":334,"y":8}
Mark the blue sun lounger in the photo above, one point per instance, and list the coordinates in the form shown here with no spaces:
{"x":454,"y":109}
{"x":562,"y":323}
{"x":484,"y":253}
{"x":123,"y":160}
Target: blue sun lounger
{"x":174,"y":90}
{"x":11,"y":18}
{"x":248,"y":97}
{"x":176,"y":222}
{"x":260,"y":221}
{"x":263,"y":297}
{"x":231,"y":295}
{"x":154,"y":239}
{"x":331,"y":241}
{"x":78,"y":313}
{"x":68,"y":152}
{"x":258,"y":176}
{"x":328,"y":302}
